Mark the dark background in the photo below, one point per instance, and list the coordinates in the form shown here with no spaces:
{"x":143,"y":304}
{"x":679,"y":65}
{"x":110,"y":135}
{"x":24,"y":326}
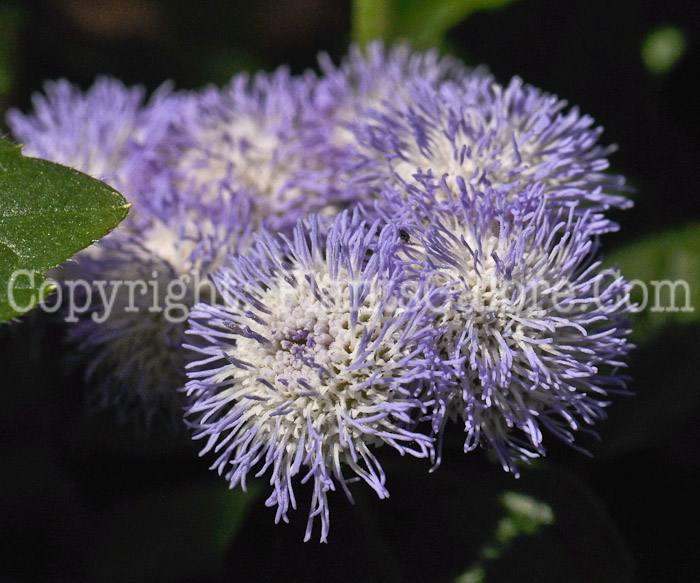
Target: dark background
{"x":82,"y":499}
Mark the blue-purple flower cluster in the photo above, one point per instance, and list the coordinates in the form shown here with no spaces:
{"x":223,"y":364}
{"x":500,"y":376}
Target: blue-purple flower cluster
{"x":389,"y":246}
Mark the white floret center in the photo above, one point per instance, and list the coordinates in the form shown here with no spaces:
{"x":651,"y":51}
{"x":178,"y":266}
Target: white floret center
{"x":244,"y":153}
{"x":464,"y":156}
{"x":305,"y":362}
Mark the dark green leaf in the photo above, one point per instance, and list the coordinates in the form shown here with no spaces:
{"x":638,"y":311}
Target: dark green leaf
{"x":664,"y":270}
{"x":47,"y":214}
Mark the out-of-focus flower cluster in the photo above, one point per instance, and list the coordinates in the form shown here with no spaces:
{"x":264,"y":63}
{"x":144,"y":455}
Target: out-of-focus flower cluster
{"x":320,"y":265}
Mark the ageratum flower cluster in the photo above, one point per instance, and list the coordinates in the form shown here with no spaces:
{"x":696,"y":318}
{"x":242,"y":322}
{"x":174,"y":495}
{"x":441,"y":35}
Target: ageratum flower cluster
{"x":389,"y":247}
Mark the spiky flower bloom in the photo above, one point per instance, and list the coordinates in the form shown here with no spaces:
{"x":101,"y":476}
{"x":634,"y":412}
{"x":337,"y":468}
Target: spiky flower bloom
{"x":310,"y":362}
{"x":372,"y":78}
{"x":252,"y":138}
{"x":468,"y":136}
{"x":105,"y":132}
{"x":88,"y":131}
{"x":535,"y":330}
{"x":132,"y":291}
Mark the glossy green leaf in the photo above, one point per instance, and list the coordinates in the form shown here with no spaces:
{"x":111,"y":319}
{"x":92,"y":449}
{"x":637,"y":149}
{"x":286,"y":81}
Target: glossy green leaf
{"x":664,"y":271}
{"x":47,"y":214}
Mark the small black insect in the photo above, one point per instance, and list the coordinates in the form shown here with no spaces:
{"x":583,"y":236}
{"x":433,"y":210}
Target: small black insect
{"x":404,"y":235}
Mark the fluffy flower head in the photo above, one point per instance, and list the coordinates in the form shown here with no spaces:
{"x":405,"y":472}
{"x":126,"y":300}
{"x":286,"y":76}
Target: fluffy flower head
{"x":309,"y":363}
{"x":88,"y":131}
{"x":534,"y":331}
{"x":472,"y":136}
{"x":371,"y":78}
{"x":251,"y":139}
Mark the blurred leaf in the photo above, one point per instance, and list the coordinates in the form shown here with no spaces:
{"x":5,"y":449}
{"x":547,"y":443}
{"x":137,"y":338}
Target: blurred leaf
{"x":372,"y":19}
{"x":177,"y":533}
{"x":423,"y":24}
{"x":217,"y":64}
{"x":47,"y":214}
{"x":664,"y":270}
{"x":663,"y":48}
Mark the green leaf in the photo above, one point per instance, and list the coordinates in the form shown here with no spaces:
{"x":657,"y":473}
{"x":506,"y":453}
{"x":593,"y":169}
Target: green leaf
{"x":523,"y":516}
{"x":47,"y":214}
{"x":664,"y":270}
